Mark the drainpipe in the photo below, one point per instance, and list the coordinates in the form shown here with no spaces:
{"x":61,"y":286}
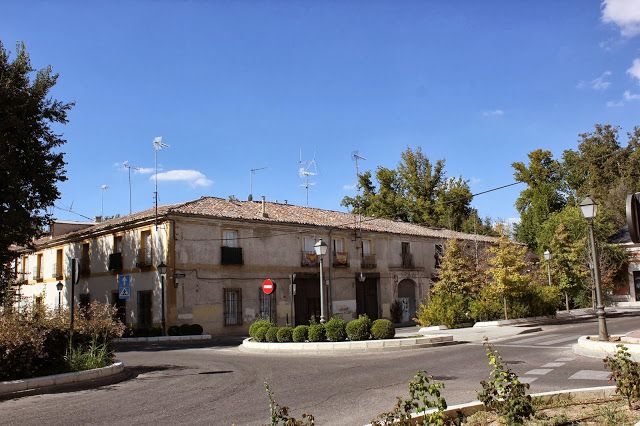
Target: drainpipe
{"x":330,"y":292}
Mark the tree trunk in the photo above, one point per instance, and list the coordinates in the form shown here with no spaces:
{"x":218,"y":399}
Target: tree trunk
{"x":504,"y":301}
{"x":566,"y":300}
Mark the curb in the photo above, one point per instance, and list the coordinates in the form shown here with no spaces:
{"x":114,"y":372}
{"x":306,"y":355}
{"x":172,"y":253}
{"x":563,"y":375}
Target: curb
{"x":341,"y":347}
{"x":160,"y":339}
{"x":37,"y":383}
{"x":473,"y":407}
{"x":596,"y":349}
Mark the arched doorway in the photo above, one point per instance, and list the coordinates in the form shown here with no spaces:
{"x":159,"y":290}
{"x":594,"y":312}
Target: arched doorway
{"x":407,"y":299}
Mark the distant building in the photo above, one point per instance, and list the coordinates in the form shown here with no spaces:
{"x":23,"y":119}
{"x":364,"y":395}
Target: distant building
{"x":627,"y":293}
{"x":219,"y":251}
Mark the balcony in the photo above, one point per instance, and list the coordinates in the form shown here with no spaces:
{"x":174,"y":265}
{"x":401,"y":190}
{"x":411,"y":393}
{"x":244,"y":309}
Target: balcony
{"x":368,"y":261}
{"x":231,"y":255}
{"x":57,"y":274}
{"x":144,"y":258}
{"x":407,"y":261}
{"x":115,"y":262}
{"x":38,"y":275}
{"x":340,"y":259}
{"x":309,"y":258}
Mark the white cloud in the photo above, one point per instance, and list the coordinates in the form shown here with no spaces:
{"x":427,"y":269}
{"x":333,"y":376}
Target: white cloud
{"x":493,"y":113}
{"x":144,"y":170}
{"x":614,"y":104}
{"x":192,"y":177}
{"x":475,"y":180}
{"x":628,"y":96}
{"x":634,"y":70}
{"x":623,"y":13}
{"x":349,"y":187}
{"x":598,"y":83}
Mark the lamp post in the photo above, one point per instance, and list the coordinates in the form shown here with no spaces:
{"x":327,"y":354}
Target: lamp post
{"x":59,"y":287}
{"x":162,"y":270}
{"x":321,"y":249}
{"x":589,"y":209}
{"x":547,"y":257}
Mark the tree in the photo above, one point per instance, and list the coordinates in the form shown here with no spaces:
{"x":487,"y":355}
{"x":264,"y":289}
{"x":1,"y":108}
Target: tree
{"x":30,"y":166}
{"x":568,"y":262}
{"x":507,"y":270}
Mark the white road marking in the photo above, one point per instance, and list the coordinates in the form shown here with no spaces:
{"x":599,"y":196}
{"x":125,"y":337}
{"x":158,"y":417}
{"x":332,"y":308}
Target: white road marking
{"x":539,"y":371}
{"x":534,"y":339}
{"x":561,"y":340}
{"x":590,"y":375}
{"x":567,"y":359}
{"x":553,"y":364}
{"x":528,"y":379}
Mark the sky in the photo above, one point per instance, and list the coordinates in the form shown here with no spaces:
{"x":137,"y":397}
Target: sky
{"x":237,"y":85}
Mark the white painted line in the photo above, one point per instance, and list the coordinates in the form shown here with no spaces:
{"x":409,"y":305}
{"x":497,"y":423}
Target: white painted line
{"x":561,"y":340}
{"x":539,"y":371}
{"x":534,"y":339}
{"x":525,"y":346}
{"x":590,"y":375}
{"x":528,"y":379}
{"x":567,"y":359}
{"x":553,"y":364}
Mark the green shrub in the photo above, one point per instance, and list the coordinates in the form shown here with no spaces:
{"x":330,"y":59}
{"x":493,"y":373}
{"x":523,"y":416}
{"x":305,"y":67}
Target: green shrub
{"x":359,"y":329}
{"x":185,"y":329}
{"x":626,"y":373}
{"x":257,"y":324}
{"x":95,"y":355}
{"x":272,"y":334}
{"x":155,"y":331}
{"x":383,"y":329}
{"x":285,"y":334}
{"x":396,"y":311}
{"x":486,"y":307}
{"x":174,"y":330}
{"x":196,"y":330}
{"x":300,"y":333}
{"x":260,"y":334}
{"x":316,"y":333}
{"x":443,"y":309}
{"x":335,"y":329}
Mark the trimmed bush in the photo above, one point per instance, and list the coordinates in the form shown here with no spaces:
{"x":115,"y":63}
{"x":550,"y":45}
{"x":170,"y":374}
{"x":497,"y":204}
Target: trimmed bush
{"x":174,"y":330}
{"x":184,"y":329}
{"x":257,"y":324}
{"x":316,"y":333}
{"x":300,"y":333}
{"x":196,"y":330}
{"x":383,"y":329}
{"x":336,"y":329}
{"x":285,"y":334}
{"x":272,"y":334}
{"x":260,"y":334}
{"x":358,"y":329}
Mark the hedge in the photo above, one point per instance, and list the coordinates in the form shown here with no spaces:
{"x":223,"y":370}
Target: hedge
{"x":336,"y":329}
{"x":300,"y":333}
{"x":316,"y":333}
{"x":383,"y":329}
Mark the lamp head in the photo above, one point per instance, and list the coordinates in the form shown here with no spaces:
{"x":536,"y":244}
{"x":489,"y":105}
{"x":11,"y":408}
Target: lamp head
{"x":162,"y":268}
{"x":59,"y":286}
{"x":320,"y":247}
{"x":589,"y":208}
{"x":547,"y":255}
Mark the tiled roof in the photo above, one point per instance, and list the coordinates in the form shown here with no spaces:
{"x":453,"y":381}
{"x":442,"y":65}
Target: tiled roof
{"x":275,"y":213}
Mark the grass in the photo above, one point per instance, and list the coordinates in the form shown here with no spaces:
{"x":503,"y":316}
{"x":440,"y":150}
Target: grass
{"x":96,"y":355}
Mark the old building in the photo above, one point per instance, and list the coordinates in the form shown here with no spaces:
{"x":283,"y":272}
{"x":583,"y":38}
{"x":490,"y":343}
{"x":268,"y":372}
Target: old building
{"x":218,"y":252}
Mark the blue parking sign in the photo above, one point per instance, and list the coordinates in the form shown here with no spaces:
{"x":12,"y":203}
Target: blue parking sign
{"x":124,"y":287}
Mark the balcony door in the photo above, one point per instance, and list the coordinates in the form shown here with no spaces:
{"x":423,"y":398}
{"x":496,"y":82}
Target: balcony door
{"x":367,"y":297}
{"x":307,"y":299}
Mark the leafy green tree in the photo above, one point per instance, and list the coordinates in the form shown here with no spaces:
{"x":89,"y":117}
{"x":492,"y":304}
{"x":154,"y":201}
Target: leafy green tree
{"x":30,"y":164}
{"x":567,"y":260}
{"x":507,"y":271}
{"x":542,"y":196}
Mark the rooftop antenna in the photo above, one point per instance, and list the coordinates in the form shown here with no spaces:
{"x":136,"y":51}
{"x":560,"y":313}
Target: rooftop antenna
{"x":306,"y":169}
{"x":129,"y":166}
{"x":157,"y":146}
{"x":355,"y":156}
{"x":103,"y":188}
{"x":252,"y":173}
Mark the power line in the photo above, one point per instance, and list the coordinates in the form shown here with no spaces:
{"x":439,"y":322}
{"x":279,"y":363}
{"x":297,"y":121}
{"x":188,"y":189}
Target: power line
{"x":71,"y":211}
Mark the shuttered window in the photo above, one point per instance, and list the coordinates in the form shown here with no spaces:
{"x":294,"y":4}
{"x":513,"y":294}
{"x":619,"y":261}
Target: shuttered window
{"x":232,"y":306}
{"x":267,"y":305}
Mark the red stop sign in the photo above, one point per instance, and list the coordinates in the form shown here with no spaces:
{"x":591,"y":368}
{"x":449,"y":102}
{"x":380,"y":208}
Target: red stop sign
{"x":268,"y":286}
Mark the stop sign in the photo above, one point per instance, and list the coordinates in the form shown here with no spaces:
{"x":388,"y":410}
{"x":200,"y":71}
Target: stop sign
{"x":268,"y":286}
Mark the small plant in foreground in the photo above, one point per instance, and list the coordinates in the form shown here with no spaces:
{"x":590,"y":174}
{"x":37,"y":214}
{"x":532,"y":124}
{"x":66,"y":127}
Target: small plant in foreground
{"x":257,"y":324}
{"x":272,"y":334}
{"x":383,"y":329}
{"x":316,"y":333}
{"x":626,"y":373}
{"x":95,"y":355}
{"x":504,"y":393}
{"x":424,"y":395}
{"x":280,"y":414}
{"x":336,"y":329}
{"x":300,"y":333}
{"x":285,"y":334}
{"x":359,"y":329}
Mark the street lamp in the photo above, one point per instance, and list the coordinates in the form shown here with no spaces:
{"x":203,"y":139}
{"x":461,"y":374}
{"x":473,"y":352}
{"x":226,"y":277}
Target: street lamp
{"x":321,"y":249}
{"x":589,"y":209}
{"x":59,"y":287}
{"x":162,"y":270}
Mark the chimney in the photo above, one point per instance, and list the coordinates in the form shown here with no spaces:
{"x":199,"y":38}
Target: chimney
{"x":264,"y":207}
{"x":98,"y":219}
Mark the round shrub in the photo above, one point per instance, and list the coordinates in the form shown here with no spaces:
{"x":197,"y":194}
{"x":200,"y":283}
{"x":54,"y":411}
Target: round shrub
{"x":257,"y":324}
{"x":285,"y":334}
{"x":155,"y":331}
{"x":383,"y":329}
{"x":358,"y":329}
{"x":336,"y":329}
{"x":316,"y":333}
{"x":196,"y":330}
{"x":272,"y":334}
{"x":174,"y":330}
{"x":185,"y":329}
{"x":300,"y":333}
{"x":260,"y":334}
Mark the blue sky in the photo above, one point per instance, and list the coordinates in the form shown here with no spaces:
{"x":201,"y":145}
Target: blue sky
{"x":232,"y":86}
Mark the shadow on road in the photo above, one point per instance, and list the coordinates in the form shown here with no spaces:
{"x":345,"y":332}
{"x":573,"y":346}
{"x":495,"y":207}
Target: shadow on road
{"x":221,"y":342}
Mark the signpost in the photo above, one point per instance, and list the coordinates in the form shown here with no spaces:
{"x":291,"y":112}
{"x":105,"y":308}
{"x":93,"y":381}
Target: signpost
{"x":75,"y":278}
{"x":268,"y":286}
{"x":124,"y":287}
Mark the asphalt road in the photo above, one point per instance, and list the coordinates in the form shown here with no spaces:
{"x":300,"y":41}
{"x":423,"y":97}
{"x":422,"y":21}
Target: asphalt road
{"x":222,"y":385}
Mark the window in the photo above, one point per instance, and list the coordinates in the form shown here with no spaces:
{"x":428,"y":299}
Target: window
{"x":39,"y":271}
{"x":144,"y":253}
{"x":115,"y":258}
{"x":308,"y":244}
{"x":339,"y":254}
{"x":366,"y":247}
{"x":438,"y":253}
{"x":232,"y":306}
{"x":57,"y":270}
{"x":117,"y":243}
{"x":144,"y":308}
{"x":338,"y":245}
{"x":407,"y":259}
{"x":85,"y":263}
{"x":267,"y":305}
{"x":229,"y":238}
{"x":23,"y":278}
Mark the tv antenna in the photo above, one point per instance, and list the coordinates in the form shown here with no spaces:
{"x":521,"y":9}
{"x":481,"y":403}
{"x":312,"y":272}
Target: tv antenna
{"x":157,"y":146}
{"x":306,"y":169}
{"x":355,"y":156}
{"x":129,"y":166}
{"x":103,"y":188}
{"x":252,"y":173}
